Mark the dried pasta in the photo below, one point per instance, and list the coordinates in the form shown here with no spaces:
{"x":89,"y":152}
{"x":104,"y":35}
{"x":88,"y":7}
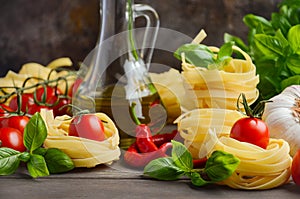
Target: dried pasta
{"x":259,"y":168}
{"x":221,"y":88}
{"x":170,"y":87}
{"x":37,"y":70}
{"x":207,"y":130}
{"x":83,"y":152}
{"x":194,"y":126}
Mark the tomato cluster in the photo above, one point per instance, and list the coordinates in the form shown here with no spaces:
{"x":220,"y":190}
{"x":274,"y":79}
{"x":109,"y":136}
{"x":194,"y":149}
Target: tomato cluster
{"x":11,"y":129}
{"x":45,"y":97}
{"x":15,"y":116}
{"x":48,"y":97}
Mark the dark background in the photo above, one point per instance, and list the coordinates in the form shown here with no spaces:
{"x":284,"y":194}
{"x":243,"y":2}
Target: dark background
{"x":42,"y":30}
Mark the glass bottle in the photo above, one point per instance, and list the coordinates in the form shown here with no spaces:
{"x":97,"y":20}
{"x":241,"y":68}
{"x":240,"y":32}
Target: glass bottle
{"x":115,"y":74}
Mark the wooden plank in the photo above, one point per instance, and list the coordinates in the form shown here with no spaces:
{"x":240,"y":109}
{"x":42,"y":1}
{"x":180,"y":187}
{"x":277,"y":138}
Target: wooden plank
{"x":105,"y":182}
{"x":101,"y":171}
{"x":128,"y":188}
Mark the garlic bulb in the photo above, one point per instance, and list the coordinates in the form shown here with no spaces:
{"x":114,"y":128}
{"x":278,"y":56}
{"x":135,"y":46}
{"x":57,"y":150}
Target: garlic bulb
{"x":282,"y":116}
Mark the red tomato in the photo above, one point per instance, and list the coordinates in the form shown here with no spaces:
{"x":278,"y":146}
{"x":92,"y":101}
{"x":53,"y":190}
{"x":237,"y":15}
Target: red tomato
{"x":27,"y":101}
{"x":18,"y":122}
{"x":58,"y":103}
{"x":36,"y":108}
{"x":87,"y":126}
{"x":296,"y":168}
{"x":12,"y":138}
{"x":251,"y":130}
{"x":74,"y":87}
{"x":43,"y":95}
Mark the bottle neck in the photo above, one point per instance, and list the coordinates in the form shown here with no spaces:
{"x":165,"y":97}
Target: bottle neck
{"x":112,"y":18}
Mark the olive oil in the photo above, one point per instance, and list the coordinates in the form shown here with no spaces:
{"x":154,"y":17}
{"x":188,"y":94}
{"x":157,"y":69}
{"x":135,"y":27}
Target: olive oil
{"x":113,"y":102}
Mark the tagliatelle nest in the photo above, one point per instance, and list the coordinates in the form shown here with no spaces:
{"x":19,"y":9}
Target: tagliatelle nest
{"x":83,"y":152}
{"x":221,"y":88}
{"x":194,"y":126}
{"x":207,"y":130}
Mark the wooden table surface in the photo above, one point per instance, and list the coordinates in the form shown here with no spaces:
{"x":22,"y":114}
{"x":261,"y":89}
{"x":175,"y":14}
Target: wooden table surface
{"x":107,"y":182}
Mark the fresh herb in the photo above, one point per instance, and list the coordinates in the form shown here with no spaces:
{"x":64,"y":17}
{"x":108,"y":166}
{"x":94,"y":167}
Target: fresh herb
{"x":40,"y":161}
{"x":200,"y":55}
{"x":57,"y":161}
{"x":274,"y":47}
{"x":219,"y":166}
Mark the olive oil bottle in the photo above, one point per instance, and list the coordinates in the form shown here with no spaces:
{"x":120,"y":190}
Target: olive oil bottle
{"x":115,"y":74}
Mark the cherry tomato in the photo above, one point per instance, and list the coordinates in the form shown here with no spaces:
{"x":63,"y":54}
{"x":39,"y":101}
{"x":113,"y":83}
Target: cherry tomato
{"x":296,"y":168}
{"x":36,"y":108}
{"x":12,"y":138}
{"x":74,"y":87}
{"x":251,"y":130}
{"x":18,"y":122}
{"x":87,"y":126}
{"x":27,"y":101}
{"x":58,"y":103}
{"x":43,"y":94}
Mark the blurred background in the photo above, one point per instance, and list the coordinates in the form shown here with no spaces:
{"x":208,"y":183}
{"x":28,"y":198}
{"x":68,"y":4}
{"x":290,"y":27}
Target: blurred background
{"x":43,"y":30}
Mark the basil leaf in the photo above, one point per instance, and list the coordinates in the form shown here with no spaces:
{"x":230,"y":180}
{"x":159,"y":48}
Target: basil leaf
{"x":225,"y":50}
{"x":285,"y":43}
{"x":294,"y":38}
{"x":269,"y":45}
{"x":253,"y":21}
{"x":35,"y":132}
{"x":40,"y":151}
{"x":197,"y":180}
{"x":293,"y":63}
{"x":223,"y":57}
{"x":195,"y":54}
{"x":293,"y":14}
{"x":181,"y":156}
{"x":294,"y":80}
{"x":280,"y":22}
{"x":37,"y":166}
{"x":9,"y":161}
{"x":220,"y":165}
{"x":269,"y":81}
{"x":163,"y":169}
{"x":238,"y":42}
{"x":290,"y":3}
{"x":25,"y":157}
{"x":57,"y":161}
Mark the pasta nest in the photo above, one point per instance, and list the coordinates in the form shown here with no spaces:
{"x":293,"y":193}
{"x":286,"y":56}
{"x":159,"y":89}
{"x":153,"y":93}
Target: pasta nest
{"x":220,"y":88}
{"x":83,"y":152}
{"x":207,"y":130}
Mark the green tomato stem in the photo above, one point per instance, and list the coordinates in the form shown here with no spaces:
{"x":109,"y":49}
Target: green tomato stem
{"x":134,"y":116}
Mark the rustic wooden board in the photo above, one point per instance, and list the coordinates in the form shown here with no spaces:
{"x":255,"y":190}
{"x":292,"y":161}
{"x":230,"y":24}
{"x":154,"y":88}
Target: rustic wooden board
{"x":104,"y":182}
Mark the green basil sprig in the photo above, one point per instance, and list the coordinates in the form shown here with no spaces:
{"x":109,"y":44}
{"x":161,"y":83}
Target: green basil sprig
{"x":219,"y":166}
{"x":274,"y":47}
{"x":40,"y":161}
{"x":200,"y":55}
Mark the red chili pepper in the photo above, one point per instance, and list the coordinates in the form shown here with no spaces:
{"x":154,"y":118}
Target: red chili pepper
{"x":199,"y":163}
{"x":135,"y":159}
{"x":160,"y":139}
{"x":144,"y":139}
